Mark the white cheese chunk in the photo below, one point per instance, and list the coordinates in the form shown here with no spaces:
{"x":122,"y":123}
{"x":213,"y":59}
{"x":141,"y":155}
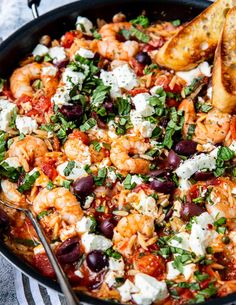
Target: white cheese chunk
{"x":26,"y":124}
{"x":40,"y":50}
{"x":180,"y":240}
{"x":142,"y":104}
{"x":126,"y":291}
{"x":116,"y":264}
{"x":184,"y":184}
{"x":154,"y":89}
{"x":108,"y":78}
{"x":111,"y":175}
{"x":197,"y":163}
{"x":84,"y":25}
{"x":173,"y":273}
{"x":126,"y":77}
{"x":79,"y":273}
{"x":201,"y":234}
{"x":88,"y":202}
{"x":116,"y":270}
{"x":49,"y":71}
{"x":84,"y":225}
{"x":72,"y":78}
{"x":85,"y":53}
{"x":76,"y":173}
{"x":62,"y":96}
{"x":150,"y":289}
{"x":7,"y":110}
{"x":136,"y":179}
{"x":57,"y":54}
{"x":203,"y":69}
{"x":95,"y":242}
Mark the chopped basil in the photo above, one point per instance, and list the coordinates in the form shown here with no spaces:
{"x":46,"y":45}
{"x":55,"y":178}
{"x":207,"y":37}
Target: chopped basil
{"x":96,"y":35}
{"x":201,"y":276}
{"x":99,"y":95}
{"x":50,"y":185}
{"x":93,"y":226}
{"x":9,"y":172}
{"x":26,"y":242}
{"x":101,"y":176}
{"x":66,"y":184}
{"x":101,"y":209}
{"x":12,"y":123}
{"x":97,"y":146}
{"x":224,"y":155}
{"x":2,"y":145}
{"x":127,"y":183}
{"x":150,"y":69}
{"x":176,"y":22}
{"x":192,"y":87}
{"x":123,"y":106}
{"x":38,"y":58}
{"x":112,"y":253}
{"x":28,"y":181}
{"x":205,"y":108}
{"x":90,"y":123}
{"x":141,"y":20}
{"x":204,"y":294}
{"x":47,"y":58}
{"x":191,"y":130}
{"x":156,"y":133}
{"x":69,"y":167}
{"x":139,"y":35}
{"x":43,"y":214}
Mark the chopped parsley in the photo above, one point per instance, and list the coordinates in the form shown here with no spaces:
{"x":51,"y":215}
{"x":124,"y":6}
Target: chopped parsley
{"x":141,"y":20}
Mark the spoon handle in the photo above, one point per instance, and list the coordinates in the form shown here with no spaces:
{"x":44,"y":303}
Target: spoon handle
{"x":66,"y":288}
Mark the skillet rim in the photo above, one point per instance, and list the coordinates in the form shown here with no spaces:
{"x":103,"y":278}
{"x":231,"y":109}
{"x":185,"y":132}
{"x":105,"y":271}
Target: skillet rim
{"x":5,"y":47}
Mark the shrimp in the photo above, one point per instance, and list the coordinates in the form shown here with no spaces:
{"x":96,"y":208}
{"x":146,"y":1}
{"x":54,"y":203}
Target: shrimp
{"x":189,"y":115}
{"x":75,"y":149}
{"x":10,"y":192}
{"x":223,"y":201}
{"x":82,"y":43}
{"x":127,"y":229}
{"x":62,"y":200}
{"x":120,"y":154}
{"x":214,"y":128}
{"x":111,"y":48}
{"x":27,"y":150}
{"x":21,"y":79}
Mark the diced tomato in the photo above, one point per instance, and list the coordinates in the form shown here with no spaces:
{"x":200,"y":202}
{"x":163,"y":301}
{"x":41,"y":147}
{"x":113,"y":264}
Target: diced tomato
{"x":48,"y":167}
{"x":164,"y":81}
{"x":140,"y":187}
{"x":233,"y":127}
{"x":81,"y":135}
{"x":68,"y":39}
{"x":24,"y":99}
{"x":8,"y":94}
{"x":136,"y":91}
{"x":172,"y":103}
{"x":138,"y":68}
{"x":44,"y":266}
{"x":151,"y":264}
{"x":43,"y":104}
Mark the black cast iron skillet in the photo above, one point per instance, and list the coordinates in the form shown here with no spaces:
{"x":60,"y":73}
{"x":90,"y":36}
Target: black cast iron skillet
{"x":57,"y":22}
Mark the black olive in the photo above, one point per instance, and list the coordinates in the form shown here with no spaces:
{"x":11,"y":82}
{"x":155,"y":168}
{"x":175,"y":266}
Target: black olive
{"x":96,"y":260}
{"x":107,"y":227}
{"x":143,"y":58}
{"x":83,"y":186}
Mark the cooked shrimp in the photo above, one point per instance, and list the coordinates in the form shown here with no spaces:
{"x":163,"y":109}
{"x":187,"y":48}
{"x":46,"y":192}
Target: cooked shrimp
{"x":22,"y":78}
{"x":223,"y":201}
{"x":27,"y":150}
{"x":111,"y":48}
{"x":213,"y":128}
{"x":122,"y":148}
{"x":82,"y":43}
{"x":189,"y":114}
{"x":62,"y":200}
{"x":127,"y":229}
{"x":10,"y":192}
{"x":75,"y":149}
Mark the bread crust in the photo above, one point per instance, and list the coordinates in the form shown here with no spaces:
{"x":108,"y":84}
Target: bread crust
{"x":224,"y":71}
{"x":196,"y":41}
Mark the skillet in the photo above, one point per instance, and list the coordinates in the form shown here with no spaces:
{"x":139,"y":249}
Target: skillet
{"x":59,"y":21}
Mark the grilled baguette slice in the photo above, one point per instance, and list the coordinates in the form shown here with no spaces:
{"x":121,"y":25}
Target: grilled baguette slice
{"x":224,"y":72}
{"x":196,"y":41}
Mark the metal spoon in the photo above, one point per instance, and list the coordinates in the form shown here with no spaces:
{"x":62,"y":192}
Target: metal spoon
{"x":66,"y":288}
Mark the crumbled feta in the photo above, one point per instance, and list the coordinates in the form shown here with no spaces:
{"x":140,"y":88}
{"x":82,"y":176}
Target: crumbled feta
{"x":197,"y":163}
{"x":201,"y":235}
{"x":136,"y":179}
{"x":6,"y":112}
{"x":95,"y":242}
{"x":62,"y":96}
{"x":116,"y":270}
{"x":184,"y":184}
{"x":126,"y":77}
{"x":12,"y":162}
{"x":26,"y":124}
{"x":180,"y":240}
{"x":111,"y":175}
{"x":49,"y":71}
{"x":116,"y":264}
{"x":203,"y":69}
{"x":84,"y":25}
{"x":154,"y":89}
{"x":72,"y":78}
{"x":57,"y":54}
{"x":76,"y":173}
{"x":85,"y":53}
{"x":84,"y":224}
{"x":145,"y":128}
{"x":108,"y":78}
{"x":126,"y":291}
{"x":79,"y":273}
{"x":141,"y":102}
{"x":150,"y":289}
{"x":209,"y":93}
{"x":88,"y":202}
{"x":40,"y":50}
{"x":173,"y":273}
{"x":233,"y":146}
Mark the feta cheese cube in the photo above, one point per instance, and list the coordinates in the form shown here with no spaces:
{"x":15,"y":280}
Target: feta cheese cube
{"x":111,"y":175}
{"x":184,"y":184}
{"x":142,"y":104}
{"x":108,"y":78}
{"x":72,"y":78}
{"x":126,"y":291}
{"x":201,"y":235}
{"x":180,"y":240}
{"x":126,"y":77}
{"x":136,"y":179}
{"x":150,"y":289}
{"x":84,"y":25}
{"x":116,"y":264}
{"x":116,"y":270}
{"x":26,"y":124}
{"x":203,"y":69}
{"x":95,"y":242}
{"x":173,"y":273}
{"x":88,"y":202}
{"x":49,"y":71}
{"x":7,"y":110}
{"x":62,"y":96}
{"x":85,"y":53}
{"x":57,"y":54}
{"x":76,"y":173}
{"x":84,"y":225}
{"x":40,"y":50}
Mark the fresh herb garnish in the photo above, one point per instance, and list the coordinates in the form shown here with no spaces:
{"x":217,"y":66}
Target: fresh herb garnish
{"x":127,"y":183}
{"x":141,"y":20}
{"x":28,"y":181}
{"x":69,"y":167}
{"x":101,"y":176}
{"x":90,"y":123}
{"x":112,"y":253}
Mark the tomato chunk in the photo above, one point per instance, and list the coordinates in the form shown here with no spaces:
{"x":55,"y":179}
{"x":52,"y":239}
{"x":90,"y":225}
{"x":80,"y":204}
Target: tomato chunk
{"x":151,"y":264}
{"x":44,"y":266}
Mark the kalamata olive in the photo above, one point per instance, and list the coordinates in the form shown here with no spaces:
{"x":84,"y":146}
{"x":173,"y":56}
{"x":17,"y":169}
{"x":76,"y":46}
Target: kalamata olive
{"x":189,"y":210}
{"x":96,"y":260}
{"x":83,"y":186}
{"x":185,"y":147}
{"x":62,"y":64}
{"x":202,"y":176}
{"x":143,"y":58}
{"x":100,"y":123}
{"x":173,"y":160}
{"x":69,"y":250}
{"x":164,"y":122}
{"x":72,"y":112}
{"x":108,"y":106}
{"x":4,"y":220}
{"x":107,"y":227}
{"x":165,"y":187}
{"x":158,"y":173}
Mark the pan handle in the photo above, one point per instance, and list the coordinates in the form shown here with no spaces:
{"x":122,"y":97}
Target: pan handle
{"x":33,"y":5}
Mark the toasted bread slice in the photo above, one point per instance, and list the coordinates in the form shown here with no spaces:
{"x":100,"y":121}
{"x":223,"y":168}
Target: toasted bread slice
{"x":224,"y":72}
{"x":197,"y":40}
